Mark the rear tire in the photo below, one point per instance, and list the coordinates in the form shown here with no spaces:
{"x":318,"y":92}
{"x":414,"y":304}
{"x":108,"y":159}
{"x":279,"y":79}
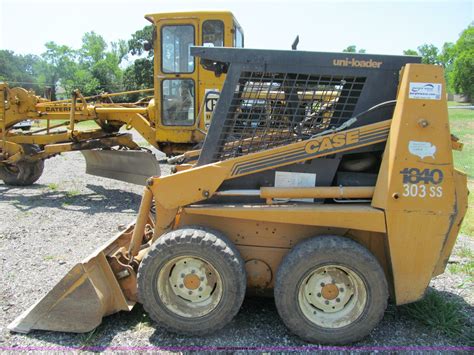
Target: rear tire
{"x":192,"y":281}
{"x":330,"y":289}
{"x":23,"y":173}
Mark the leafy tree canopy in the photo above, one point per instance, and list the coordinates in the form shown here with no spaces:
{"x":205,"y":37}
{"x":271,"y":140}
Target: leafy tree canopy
{"x":353,"y":49}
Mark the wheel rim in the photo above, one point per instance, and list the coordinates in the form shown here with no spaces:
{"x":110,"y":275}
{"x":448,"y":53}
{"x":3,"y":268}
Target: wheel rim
{"x":189,"y":286}
{"x":332,"y":296}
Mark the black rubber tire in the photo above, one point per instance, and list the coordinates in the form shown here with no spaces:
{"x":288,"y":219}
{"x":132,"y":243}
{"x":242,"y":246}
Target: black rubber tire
{"x":210,"y":245}
{"x":23,"y":173}
{"x":320,"y":251}
{"x":109,"y":127}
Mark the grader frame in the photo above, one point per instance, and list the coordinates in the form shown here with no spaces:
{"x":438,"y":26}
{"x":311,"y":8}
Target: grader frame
{"x":162,"y":118}
{"x":387,"y":227}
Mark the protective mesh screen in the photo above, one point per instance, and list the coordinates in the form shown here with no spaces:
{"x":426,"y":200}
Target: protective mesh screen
{"x":275,"y":109}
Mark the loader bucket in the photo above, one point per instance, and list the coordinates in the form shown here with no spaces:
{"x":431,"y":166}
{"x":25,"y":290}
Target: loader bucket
{"x":89,"y":291}
{"x":133,"y":166}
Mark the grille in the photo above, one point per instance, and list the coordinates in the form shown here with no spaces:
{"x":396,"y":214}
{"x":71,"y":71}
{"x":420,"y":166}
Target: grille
{"x":274,"y":109}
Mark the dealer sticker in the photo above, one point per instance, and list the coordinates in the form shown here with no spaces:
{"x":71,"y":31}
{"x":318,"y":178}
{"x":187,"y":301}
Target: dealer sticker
{"x":425,"y":91}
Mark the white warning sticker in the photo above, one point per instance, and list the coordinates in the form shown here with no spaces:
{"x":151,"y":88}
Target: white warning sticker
{"x":290,"y":179}
{"x":422,"y":149}
{"x":425,"y":91}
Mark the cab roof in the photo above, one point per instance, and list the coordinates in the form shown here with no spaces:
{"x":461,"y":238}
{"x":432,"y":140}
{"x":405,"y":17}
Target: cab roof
{"x":188,"y":14}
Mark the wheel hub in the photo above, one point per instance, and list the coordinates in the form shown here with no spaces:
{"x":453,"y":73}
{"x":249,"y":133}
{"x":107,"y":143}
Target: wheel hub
{"x":189,"y":286}
{"x":331,"y":296}
{"x":330,"y":291}
{"x":191,"y":281}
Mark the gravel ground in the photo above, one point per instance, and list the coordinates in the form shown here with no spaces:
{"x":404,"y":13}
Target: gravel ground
{"x":48,"y":227}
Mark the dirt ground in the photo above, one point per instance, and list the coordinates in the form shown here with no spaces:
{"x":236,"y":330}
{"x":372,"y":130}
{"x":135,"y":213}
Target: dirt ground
{"x":48,"y":227}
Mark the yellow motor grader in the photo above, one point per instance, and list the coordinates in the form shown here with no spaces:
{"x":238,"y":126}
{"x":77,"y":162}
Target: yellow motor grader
{"x":174,"y":117}
{"x":331,"y":208}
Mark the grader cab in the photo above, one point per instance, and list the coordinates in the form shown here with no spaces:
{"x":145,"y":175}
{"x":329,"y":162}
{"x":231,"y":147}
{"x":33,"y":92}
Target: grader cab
{"x":326,"y":179}
{"x":172,"y":117}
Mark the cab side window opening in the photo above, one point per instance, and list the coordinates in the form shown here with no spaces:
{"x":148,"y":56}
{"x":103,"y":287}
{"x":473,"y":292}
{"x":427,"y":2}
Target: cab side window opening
{"x":175,"y":52}
{"x":213,"y":33}
{"x":238,"y":37}
{"x":178,"y":102}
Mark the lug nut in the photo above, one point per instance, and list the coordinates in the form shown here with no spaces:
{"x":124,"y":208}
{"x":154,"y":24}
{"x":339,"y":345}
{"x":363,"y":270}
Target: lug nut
{"x":338,"y":300}
{"x":341,"y":289}
{"x":200,"y":288}
{"x":182,"y":276}
{"x":202,"y":278}
{"x":322,"y":284}
{"x":190,"y":292}
{"x":327,"y":302}
{"x":181,"y":286}
{"x":319,"y":295}
{"x":193,"y":271}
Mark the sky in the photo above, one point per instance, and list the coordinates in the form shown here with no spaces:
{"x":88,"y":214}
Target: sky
{"x":380,"y":27}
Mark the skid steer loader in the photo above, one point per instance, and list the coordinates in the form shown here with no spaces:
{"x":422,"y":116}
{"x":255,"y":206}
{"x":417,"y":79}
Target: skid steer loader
{"x":173,"y":118}
{"x":332,"y":206}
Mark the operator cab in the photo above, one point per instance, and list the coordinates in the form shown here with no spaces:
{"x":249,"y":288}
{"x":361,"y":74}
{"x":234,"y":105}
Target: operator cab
{"x":185,"y":93}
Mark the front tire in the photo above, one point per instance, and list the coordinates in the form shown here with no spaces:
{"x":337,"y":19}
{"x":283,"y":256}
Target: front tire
{"x":24,"y":173}
{"x":330,"y":289}
{"x":192,"y":281}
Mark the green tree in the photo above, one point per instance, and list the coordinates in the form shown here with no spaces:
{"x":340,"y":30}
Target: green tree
{"x":353,"y":49}
{"x":463,"y":63}
{"x":19,"y":70}
{"x":57,"y":67}
{"x":432,"y":55}
{"x":410,"y":52}
{"x":429,"y":54}
{"x":139,"y":75}
{"x":446,"y":58}
{"x":102,"y":63}
{"x":140,"y":38}
{"x":93,"y":48}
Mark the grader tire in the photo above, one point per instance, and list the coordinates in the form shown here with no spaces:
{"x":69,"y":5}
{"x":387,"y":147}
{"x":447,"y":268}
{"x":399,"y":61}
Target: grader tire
{"x":330,"y":290}
{"x":192,"y":281}
{"x":23,"y":173}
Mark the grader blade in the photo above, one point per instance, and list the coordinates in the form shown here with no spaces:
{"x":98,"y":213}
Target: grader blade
{"x":88,"y":292}
{"x":131,"y":166}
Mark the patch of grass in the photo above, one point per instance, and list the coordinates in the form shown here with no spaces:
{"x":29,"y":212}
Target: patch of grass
{"x":467,"y":227}
{"x":88,"y":339}
{"x":438,"y":315}
{"x":80,"y":125}
{"x":465,"y":252}
{"x":87,"y":125}
{"x":72,"y":193}
{"x":454,"y":103}
{"x":466,"y":268}
{"x":53,"y":186}
{"x":462,"y":126}
{"x":143,"y":323}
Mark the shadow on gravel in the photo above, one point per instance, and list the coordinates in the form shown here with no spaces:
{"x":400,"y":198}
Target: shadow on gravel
{"x":256,"y":325}
{"x":98,"y":199}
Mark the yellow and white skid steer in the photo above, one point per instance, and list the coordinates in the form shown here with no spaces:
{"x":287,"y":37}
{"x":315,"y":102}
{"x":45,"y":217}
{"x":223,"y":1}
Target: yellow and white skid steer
{"x":332,"y":206}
